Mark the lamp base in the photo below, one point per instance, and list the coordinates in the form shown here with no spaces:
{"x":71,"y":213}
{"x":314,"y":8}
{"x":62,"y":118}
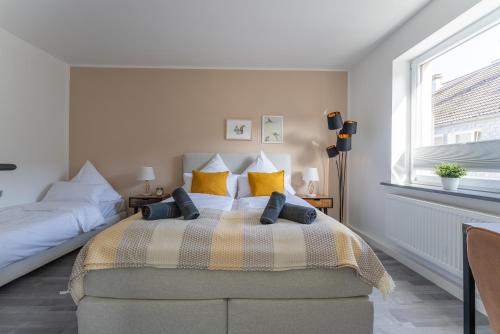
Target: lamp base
{"x":147,"y":189}
{"x":310,"y":189}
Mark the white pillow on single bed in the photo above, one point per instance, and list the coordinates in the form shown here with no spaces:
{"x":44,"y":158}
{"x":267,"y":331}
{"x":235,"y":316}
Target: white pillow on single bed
{"x":74,"y":192}
{"x":232,"y":184}
{"x":262,"y":164}
{"x":88,"y":174}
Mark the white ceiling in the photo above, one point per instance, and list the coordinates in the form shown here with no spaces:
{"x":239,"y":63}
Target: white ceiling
{"x":321,"y":34}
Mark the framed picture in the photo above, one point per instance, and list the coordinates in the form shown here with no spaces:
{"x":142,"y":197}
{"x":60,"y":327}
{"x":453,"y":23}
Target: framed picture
{"x":238,"y":129}
{"x":272,"y":129}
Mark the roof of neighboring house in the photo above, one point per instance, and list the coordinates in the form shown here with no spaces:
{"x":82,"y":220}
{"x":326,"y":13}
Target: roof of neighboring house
{"x":472,"y":95}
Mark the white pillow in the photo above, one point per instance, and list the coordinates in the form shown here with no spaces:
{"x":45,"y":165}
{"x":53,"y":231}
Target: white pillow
{"x":75,"y":192}
{"x":216,"y":164}
{"x":262,"y":164}
{"x":88,"y":174}
{"x":232,"y":184}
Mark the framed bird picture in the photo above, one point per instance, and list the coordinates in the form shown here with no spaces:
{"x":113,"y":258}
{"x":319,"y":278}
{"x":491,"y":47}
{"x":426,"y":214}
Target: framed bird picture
{"x":272,"y":129}
{"x":238,"y":129}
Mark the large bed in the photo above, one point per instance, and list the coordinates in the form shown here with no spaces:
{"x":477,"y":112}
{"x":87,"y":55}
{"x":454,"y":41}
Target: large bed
{"x":165,"y":299}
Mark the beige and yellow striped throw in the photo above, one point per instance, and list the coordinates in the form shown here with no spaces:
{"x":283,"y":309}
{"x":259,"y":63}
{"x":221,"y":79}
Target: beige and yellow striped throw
{"x":234,"y":240}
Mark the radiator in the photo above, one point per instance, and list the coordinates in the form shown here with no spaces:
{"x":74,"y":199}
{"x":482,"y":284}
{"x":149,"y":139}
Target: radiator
{"x":430,"y":230}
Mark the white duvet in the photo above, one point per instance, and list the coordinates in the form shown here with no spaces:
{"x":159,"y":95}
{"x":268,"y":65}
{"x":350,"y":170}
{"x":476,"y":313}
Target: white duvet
{"x":31,"y":228}
{"x":260,"y":202}
{"x":203,"y":201}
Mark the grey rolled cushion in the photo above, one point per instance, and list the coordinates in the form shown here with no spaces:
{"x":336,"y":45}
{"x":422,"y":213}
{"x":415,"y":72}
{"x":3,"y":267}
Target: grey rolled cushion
{"x":273,"y":208}
{"x":160,"y":211}
{"x":154,"y":283}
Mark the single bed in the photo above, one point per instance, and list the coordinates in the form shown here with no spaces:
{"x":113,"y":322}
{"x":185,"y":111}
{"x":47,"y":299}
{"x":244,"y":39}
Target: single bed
{"x":32,"y":235}
{"x":156,"y":299}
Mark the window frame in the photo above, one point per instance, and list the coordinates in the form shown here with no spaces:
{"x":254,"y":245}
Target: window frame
{"x":466,"y":34}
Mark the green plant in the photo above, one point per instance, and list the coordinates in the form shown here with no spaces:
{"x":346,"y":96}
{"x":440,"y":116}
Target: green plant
{"x":450,"y":170}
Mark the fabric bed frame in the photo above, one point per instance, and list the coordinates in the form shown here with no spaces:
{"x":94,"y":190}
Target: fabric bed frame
{"x":243,"y":308}
{"x":22,"y":267}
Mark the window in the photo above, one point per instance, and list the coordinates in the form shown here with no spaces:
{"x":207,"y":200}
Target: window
{"x":455,"y":113}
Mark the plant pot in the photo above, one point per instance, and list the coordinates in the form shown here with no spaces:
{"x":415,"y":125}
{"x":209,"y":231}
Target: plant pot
{"x":450,"y":183}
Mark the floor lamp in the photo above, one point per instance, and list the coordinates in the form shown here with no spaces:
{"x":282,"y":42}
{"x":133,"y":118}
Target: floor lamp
{"x":345,"y":130}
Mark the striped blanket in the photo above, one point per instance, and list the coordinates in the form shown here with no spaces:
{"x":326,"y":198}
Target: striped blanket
{"x":234,"y":240}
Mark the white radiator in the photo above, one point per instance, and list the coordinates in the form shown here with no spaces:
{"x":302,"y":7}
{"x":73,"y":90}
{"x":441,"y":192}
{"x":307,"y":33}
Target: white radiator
{"x":429,"y":230}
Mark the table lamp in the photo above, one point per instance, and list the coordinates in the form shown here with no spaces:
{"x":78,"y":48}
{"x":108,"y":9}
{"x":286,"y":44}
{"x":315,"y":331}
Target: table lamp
{"x":310,"y":175}
{"x":146,"y":174}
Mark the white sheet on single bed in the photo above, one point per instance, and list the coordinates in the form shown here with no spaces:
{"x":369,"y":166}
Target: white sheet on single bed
{"x":31,"y":228}
{"x":111,"y":208}
{"x":203,"y":201}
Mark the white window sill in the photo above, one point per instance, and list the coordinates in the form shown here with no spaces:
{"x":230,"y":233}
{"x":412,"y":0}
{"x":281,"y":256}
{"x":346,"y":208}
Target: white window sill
{"x":480,"y":195}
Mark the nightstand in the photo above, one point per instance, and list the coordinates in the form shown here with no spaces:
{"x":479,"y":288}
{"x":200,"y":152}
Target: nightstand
{"x":321,"y":202}
{"x":137,"y":202}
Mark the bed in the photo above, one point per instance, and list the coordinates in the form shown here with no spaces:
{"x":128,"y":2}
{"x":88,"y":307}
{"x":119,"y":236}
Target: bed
{"x":186,"y":299}
{"x":35,"y":234}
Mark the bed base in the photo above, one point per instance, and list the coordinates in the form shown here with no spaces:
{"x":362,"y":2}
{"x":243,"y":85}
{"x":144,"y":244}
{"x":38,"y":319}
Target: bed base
{"x":225,"y":316}
{"x":21,"y":268}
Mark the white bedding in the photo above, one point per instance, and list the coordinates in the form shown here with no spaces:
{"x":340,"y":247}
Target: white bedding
{"x":111,"y":208}
{"x":203,"y":201}
{"x":31,"y":228}
{"x":225,"y":203}
{"x":260,"y":202}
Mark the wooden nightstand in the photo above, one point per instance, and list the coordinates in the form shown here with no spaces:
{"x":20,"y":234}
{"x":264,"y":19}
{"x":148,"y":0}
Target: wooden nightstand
{"x":321,"y":202}
{"x":137,"y":202}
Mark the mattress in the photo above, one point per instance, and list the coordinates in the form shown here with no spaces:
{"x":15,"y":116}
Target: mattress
{"x":155,"y":283}
{"x":26,"y":230}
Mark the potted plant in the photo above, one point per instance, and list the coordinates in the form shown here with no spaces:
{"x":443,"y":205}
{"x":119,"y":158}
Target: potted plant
{"x":450,"y":175}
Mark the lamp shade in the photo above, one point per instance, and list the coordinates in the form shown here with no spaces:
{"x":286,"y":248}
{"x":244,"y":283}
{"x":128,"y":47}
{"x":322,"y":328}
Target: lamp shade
{"x":334,"y":120}
{"x":146,"y":174}
{"x":344,"y":142}
{"x":332,"y":151}
{"x":310,"y":174}
{"x":349,"y":127}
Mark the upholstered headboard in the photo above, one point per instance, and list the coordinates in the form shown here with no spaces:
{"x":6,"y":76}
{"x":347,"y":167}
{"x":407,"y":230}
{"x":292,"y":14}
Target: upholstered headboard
{"x":236,"y":162}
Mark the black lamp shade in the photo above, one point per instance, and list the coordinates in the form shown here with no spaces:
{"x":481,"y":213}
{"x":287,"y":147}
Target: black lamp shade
{"x":344,"y":142}
{"x":349,"y":127}
{"x":332,"y":151}
{"x":334,"y":120}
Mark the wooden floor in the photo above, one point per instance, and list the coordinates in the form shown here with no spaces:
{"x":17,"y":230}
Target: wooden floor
{"x":32,"y":304}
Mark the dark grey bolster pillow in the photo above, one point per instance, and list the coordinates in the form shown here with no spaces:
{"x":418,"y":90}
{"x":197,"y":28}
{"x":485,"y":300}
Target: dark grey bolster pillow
{"x":186,"y":205}
{"x":298,"y":213}
{"x":273,"y":208}
{"x":160,"y":211}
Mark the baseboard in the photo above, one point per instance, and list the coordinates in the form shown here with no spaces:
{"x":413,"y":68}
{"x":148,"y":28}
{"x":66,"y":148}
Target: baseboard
{"x":397,"y":253}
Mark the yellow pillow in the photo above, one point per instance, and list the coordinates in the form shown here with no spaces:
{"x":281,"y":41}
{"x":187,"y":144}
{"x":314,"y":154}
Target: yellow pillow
{"x":209,"y":183}
{"x":263,"y":184}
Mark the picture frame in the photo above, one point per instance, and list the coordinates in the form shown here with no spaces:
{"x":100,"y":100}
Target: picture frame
{"x":272,"y":129}
{"x":238,"y":129}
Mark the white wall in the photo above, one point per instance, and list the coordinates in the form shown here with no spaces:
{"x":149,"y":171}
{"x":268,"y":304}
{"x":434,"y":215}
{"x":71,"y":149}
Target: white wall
{"x":371,"y":104}
{"x":33,"y":120}
{"x":378,"y":100}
